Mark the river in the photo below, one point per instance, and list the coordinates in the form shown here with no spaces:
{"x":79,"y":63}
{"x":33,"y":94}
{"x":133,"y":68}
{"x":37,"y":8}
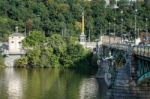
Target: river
{"x":47,"y":84}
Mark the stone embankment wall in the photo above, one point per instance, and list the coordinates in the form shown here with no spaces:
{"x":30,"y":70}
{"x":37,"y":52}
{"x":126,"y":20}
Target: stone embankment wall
{"x":10,"y":60}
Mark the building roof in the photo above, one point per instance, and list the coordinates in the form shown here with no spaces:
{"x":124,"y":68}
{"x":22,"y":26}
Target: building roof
{"x":16,"y":34}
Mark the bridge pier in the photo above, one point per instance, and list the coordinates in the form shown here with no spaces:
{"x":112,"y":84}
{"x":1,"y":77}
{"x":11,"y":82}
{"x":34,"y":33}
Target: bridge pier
{"x":129,"y":76}
{"x":10,"y":60}
{"x":143,"y":72}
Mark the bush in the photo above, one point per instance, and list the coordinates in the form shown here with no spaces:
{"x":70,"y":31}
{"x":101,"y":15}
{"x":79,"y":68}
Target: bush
{"x":21,"y":62}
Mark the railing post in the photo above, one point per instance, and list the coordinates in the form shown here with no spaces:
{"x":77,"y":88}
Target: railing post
{"x":144,"y":51}
{"x":141,"y":50}
{"x":130,"y":59}
{"x":137,"y":49}
{"x":148,"y":51}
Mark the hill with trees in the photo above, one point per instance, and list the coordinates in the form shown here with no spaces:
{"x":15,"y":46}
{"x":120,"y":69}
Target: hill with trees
{"x":64,"y":17}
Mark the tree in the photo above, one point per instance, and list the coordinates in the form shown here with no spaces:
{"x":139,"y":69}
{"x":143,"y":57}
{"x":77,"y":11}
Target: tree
{"x":100,"y":17}
{"x":29,"y":25}
{"x":147,"y":3}
{"x":34,"y":57}
{"x":56,"y":42}
{"x":36,"y":38}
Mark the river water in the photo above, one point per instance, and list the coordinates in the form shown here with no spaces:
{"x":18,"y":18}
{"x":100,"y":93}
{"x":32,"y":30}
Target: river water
{"x":47,"y":84}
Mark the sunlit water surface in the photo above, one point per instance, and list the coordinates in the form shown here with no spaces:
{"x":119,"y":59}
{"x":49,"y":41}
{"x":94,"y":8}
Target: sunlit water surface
{"x":47,"y":84}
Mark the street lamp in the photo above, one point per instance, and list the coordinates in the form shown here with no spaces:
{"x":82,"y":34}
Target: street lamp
{"x":146,"y":27}
{"x":114,"y":29}
{"x":121,"y":26}
{"x":89,"y":38}
{"x":115,"y":7}
{"x":135,"y":25}
{"x":121,"y":29}
{"x":138,"y":32}
{"x":109,"y":31}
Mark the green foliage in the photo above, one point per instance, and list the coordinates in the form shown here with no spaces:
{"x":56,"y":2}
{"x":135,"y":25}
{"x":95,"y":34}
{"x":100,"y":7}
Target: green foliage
{"x":73,"y":54}
{"x":35,"y":38}
{"x":21,"y":62}
{"x":46,"y":57}
{"x":55,"y":51}
{"x":34,"y":57}
{"x":56,"y":42}
{"x":55,"y":16}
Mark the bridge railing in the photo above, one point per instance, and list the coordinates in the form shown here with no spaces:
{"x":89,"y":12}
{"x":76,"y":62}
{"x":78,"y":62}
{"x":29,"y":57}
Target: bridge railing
{"x":138,"y":50}
{"x":123,"y":47}
{"x":142,"y":50}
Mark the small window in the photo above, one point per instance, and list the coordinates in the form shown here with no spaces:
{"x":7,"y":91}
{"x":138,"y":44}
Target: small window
{"x":19,"y":42}
{"x":12,"y":41}
{"x":12,"y":37}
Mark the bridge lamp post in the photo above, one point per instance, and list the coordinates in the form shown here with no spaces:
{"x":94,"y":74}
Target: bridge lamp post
{"x":102,"y":34}
{"x":135,"y":24}
{"x":121,"y":30}
{"x":138,"y":32}
{"x":109,"y":32}
{"x":114,"y":29}
{"x":121,"y":26}
{"x":146,"y":28}
{"x":115,"y":7}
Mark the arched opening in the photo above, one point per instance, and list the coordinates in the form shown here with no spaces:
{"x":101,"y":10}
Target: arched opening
{"x":144,"y":84}
{"x":120,"y":60}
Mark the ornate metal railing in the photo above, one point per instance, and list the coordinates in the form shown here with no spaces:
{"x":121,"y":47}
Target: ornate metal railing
{"x":138,"y":50}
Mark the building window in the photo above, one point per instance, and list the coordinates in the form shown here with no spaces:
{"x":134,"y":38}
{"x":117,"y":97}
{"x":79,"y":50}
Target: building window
{"x":12,"y":41}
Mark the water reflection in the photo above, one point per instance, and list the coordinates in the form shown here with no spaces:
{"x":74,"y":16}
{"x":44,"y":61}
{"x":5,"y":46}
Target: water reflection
{"x":46,"y":84}
{"x":13,"y":84}
{"x":88,"y":88}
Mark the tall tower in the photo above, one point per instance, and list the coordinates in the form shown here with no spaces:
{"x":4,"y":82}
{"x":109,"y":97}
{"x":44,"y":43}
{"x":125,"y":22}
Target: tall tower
{"x":82,"y":35}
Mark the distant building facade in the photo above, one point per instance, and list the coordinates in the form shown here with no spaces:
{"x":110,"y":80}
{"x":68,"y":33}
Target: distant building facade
{"x":14,"y":48}
{"x":15,"y":42}
{"x":145,"y":38}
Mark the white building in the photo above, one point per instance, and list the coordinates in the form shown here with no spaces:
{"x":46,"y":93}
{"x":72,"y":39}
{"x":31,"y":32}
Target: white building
{"x":15,"y":43}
